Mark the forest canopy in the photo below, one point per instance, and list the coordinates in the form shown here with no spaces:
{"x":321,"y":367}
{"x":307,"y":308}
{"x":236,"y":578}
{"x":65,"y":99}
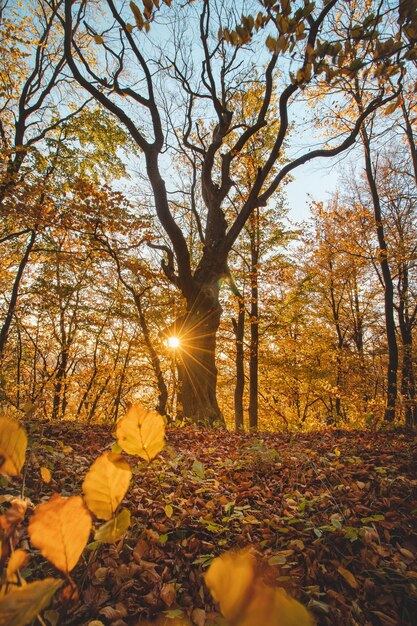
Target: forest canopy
{"x":147,"y":252}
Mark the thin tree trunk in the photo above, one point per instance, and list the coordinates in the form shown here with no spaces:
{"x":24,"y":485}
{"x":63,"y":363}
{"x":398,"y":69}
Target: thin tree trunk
{"x":254,"y":326}
{"x":156,"y":363}
{"x":4,"y":332}
{"x":239,"y":332}
{"x":392,"y":370}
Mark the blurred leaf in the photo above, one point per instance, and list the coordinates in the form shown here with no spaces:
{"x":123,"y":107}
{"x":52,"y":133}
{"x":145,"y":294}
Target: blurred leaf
{"x":245,"y":600}
{"x":20,"y":606}
{"x":46,"y":475}
{"x":106,"y":483}
{"x":17,"y":561}
{"x":141,"y":432}
{"x":198,"y":469}
{"x":13,"y":444}
{"x":114,"y":529}
{"x":60,"y":529}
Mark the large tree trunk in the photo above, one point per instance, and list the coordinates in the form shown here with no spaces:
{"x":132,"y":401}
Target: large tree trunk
{"x":197,"y":331}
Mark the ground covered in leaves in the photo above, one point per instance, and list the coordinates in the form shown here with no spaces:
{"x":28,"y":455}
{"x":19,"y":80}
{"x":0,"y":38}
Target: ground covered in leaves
{"x":332,"y":517}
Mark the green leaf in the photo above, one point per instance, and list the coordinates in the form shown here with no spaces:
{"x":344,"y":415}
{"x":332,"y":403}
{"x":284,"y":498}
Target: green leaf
{"x":114,"y":529}
{"x":372,"y":518}
{"x":198,"y":469}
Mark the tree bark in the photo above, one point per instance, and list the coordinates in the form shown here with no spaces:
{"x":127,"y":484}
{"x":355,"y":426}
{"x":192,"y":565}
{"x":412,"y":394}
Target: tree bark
{"x":392,"y":368}
{"x":197,"y":332}
{"x":239,"y":332}
{"x":15,"y":292}
{"x":254,"y":324}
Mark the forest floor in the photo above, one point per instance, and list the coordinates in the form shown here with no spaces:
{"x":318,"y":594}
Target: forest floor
{"x":332,"y":515}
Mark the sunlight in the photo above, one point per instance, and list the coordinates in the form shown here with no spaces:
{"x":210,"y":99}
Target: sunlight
{"x":174,"y":342}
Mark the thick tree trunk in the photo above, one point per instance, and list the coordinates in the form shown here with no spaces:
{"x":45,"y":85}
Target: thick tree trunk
{"x":197,"y":331}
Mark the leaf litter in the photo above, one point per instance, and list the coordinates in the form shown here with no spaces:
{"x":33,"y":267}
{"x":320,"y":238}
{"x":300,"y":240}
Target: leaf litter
{"x":332,"y":519}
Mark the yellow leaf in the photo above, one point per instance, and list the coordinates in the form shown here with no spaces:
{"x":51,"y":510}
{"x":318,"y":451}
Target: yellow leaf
{"x":13,"y":444}
{"x":230,"y":578}
{"x":106,"y":483}
{"x":114,"y":529}
{"x":20,"y":606}
{"x":60,"y":529}
{"x":274,"y":607}
{"x":245,"y":600}
{"x":169,"y":511}
{"x":141,"y":432}
{"x":17,"y":560}
{"x":46,"y":475}
{"x":348,"y":576}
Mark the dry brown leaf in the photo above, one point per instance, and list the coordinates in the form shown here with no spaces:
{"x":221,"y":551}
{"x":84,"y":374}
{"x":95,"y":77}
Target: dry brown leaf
{"x":348,"y":576}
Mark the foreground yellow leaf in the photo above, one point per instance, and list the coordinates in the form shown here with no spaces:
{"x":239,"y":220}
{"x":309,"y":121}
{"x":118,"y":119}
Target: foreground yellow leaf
{"x":106,"y":483}
{"x":114,"y":529}
{"x":13,"y":444}
{"x":245,"y":600}
{"x":60,"y":529}
{"x":141,"y":432}
{"x":20,"y":607}
{"x":230,"y":579}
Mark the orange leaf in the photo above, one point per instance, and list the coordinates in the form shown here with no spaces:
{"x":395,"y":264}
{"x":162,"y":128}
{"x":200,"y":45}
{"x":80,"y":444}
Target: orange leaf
{"x":348,"y":576}
{"x":60,"y":529}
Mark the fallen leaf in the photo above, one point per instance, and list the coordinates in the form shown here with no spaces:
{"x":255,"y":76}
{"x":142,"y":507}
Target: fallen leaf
{"x":46,"y":475}
{"x":348,"y":576}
